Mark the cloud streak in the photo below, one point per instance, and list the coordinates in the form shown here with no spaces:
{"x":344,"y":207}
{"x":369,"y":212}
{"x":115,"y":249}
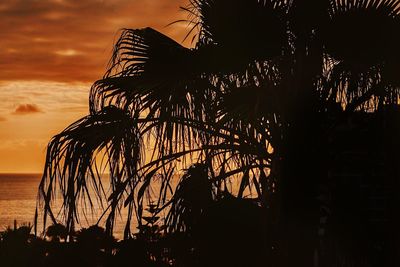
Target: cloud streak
{"x":25,"y":109}
{"x":55,"y":96}
{"x":68,"y":40}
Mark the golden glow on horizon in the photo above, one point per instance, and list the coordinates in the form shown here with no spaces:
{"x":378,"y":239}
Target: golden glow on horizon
{"x":52,"y":51}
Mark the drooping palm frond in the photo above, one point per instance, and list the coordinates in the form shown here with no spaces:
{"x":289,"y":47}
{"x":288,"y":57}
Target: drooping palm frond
{"x":353,"y":88}
{"x":149,"y":73}
{"x":144,"y":68}
{"x":158,"y":79}
{"x":192,"y":195}
{"x":70,"y":171}
{"x":360,"y":87}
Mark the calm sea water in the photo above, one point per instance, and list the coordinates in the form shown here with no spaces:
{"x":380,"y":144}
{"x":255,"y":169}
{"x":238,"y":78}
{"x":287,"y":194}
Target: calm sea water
{"x":17,"y":198}
{"x":18,"y":194}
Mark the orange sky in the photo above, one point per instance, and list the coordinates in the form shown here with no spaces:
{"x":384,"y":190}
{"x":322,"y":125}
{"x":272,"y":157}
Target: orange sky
{"x":51,"y":51}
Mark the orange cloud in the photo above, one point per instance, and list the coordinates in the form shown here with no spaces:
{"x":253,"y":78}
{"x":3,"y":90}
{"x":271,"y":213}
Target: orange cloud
{"x":2,"y":118}
{"x":25,"y":109}
{"x":71,"y":41}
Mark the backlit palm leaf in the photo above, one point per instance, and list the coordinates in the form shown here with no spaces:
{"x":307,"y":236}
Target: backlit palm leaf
{"x":144,"y":69}
{"x":71,"y":161}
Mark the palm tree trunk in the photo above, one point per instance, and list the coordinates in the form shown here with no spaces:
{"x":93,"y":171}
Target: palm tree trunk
{"x":303,"y":163}
{"x":302,"y":170}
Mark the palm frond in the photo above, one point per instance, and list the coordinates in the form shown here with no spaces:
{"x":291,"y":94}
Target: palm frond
{"x":147,"y":50}
{"x":150,"y":62}
{"x":247,"y":29}
{"x":71,"y":162}
{"x":352,"y":87}
{"x":360,"y":87}
{"x":192,"y":195}
{"x":152,"y":75}
{"x":362,"y":32}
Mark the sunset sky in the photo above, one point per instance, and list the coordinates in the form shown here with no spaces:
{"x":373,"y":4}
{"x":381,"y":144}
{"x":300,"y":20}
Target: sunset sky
{"x":51,"y":51}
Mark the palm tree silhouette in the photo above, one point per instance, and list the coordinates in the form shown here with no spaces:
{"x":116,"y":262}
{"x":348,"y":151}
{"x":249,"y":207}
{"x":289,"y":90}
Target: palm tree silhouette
{"x":258,"y":99}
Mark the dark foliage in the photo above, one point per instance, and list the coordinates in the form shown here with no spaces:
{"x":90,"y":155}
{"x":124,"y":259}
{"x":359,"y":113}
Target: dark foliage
{"x":257,"y":102}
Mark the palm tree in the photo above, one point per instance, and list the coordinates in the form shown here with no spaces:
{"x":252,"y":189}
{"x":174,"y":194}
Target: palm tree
{"x":256,"y":100}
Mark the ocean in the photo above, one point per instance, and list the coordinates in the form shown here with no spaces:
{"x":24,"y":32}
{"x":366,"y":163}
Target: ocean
{"x":18,"y":195}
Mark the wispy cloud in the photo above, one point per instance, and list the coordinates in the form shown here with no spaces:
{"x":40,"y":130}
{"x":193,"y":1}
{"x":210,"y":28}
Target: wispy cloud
{"x":54,"y":96}
{"x":68,"y":52}
{"x":68,"y":40}
{"x":25,"y":109}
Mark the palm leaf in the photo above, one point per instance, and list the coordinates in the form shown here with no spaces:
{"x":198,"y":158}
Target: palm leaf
{"x":247,"y":29}
{"x":362,"y":32}
{"x":71,"y":160}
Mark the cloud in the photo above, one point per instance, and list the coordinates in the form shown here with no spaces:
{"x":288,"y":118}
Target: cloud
{"x":24,"y":109}
{"x":55,"y":96}
{"x":2,"y":118}
{"x":71,"y":41}
{"x":68,"y":52}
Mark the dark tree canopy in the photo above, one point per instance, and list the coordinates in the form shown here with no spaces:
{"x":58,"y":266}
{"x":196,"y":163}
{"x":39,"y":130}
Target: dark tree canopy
{"x":257,"y":96}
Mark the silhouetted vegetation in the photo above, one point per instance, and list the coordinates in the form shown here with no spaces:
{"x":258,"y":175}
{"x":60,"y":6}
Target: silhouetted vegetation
{"x":284,"y":116}
{"x":86,"y":247}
